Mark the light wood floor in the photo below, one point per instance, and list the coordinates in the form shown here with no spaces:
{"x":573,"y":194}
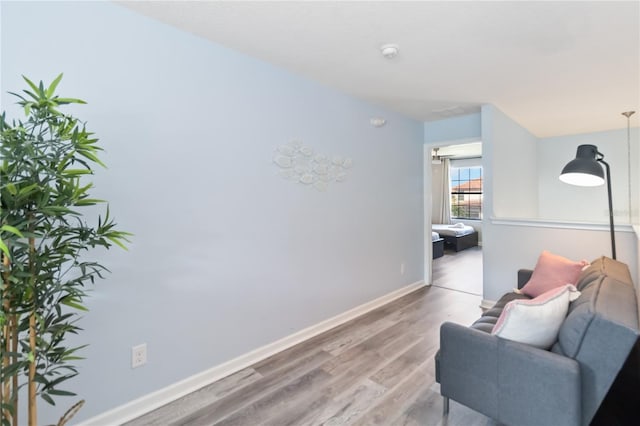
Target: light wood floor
{"x":377,"y":369}
{"x":459,"y":271}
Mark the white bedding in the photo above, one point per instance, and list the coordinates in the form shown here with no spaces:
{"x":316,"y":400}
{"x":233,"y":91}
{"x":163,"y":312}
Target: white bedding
{"x":456,"y":230}
{"x":435,"y":236}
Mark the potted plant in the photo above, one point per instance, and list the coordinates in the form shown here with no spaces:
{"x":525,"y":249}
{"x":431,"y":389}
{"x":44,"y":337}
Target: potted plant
{"x":46,"y":161}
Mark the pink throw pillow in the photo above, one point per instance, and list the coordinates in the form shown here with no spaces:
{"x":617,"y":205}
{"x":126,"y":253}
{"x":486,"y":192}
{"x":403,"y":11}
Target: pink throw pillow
{"x":552,"y":271}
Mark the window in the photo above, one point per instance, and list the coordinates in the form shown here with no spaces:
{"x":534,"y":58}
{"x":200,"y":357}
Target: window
{"x":466,"y":192}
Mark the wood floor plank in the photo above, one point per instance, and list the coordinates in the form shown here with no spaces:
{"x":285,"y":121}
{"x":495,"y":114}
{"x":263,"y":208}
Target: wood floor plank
{"x":425,"y":410}
{"x":349,"y":340}
{"x":244,"y":396}
{"x":385,"y":344}
{"x":344,"y":410}
{"x":276,"y":404}
{"x":198,"y":399}
{"x":458,"y":271}
{"x":405,"y":364}
{"x":393,"y":404}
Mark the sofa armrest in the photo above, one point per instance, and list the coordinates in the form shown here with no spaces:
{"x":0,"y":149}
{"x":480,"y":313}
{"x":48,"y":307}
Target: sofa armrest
{"x":537,"y":386}
{"x":508,"y":381}
{"x":467,"y":367}
{"x":524,"y":275}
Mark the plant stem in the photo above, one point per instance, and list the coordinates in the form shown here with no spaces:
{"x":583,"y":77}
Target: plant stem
{"x":33,"y":411}
{"x":14,"y":360}
{"x":8,"y":332}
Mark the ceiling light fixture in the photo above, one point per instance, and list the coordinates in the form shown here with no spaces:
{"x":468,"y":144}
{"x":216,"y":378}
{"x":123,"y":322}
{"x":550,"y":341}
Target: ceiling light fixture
{"x":389,"y":51}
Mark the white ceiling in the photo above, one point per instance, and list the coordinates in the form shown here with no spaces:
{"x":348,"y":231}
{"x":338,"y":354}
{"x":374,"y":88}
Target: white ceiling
{"x":554,"y":67}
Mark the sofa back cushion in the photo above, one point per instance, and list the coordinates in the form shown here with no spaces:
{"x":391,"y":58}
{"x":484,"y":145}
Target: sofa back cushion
{"x":600,"y":329}
{"x":604,"y":266}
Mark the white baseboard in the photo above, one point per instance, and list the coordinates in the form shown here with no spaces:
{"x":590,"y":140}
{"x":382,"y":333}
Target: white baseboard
{"x":487,"y":304}
{"x":157,"y":399}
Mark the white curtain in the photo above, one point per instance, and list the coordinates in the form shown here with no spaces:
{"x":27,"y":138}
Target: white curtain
{"x":441,"y":198}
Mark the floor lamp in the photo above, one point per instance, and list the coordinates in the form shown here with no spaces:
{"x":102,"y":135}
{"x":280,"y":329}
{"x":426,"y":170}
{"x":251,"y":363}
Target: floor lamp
{"x":584,"y":170}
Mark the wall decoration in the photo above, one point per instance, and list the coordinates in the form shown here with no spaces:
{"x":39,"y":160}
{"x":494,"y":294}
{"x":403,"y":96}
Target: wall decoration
{"x":299,"y":163}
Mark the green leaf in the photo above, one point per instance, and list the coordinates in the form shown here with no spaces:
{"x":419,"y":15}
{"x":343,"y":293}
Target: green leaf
{"x":30,"y":83}
{"x":89,"y":202}
{"x":4,"y":249}
{"x":11,"y":229}
{"x":63,"y":101}
{"x":91,"y":156}
{"x":47,"y":398}
{"x":60,"y":392}
{"x":53,"y":85}
{"x":12,"y":188}
{"x":32,"y":95}
{"x":74,"y":304}
{"x":77,"y":172}
{"x":117,"y":241}
{"x":28,"y":189}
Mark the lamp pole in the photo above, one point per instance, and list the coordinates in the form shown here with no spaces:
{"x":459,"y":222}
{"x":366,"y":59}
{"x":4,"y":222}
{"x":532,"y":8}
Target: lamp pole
{"x":613,"y":236}
{"x":628,"y":114}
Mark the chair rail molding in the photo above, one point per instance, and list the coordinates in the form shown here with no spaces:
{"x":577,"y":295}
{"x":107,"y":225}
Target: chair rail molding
{"x":559,"y":224}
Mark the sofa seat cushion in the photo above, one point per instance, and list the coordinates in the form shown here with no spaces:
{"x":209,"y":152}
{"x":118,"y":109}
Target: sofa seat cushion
{"x":490,"y":317}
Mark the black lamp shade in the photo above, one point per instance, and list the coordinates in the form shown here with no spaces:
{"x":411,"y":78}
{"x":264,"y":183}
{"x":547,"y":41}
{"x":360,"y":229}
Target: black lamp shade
{"x":584,"y":170}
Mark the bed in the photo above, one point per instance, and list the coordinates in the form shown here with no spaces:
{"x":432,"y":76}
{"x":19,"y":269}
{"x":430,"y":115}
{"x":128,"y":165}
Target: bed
{"x":457,"y":236}
{"x":438,"y":245}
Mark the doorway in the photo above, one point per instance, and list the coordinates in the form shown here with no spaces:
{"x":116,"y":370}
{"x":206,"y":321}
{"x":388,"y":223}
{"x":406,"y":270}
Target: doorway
{"x":455,"y":199}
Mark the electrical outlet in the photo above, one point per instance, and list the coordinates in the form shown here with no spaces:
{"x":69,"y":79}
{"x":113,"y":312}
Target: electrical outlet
{"x":138,"y":355}
{"x":402,"y":268}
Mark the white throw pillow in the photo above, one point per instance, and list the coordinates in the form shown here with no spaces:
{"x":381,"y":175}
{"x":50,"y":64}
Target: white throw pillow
{"x":536,"y":322}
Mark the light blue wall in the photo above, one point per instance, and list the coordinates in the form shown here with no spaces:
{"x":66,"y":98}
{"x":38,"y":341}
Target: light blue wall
{"x":227,"y":256}
{"x":465,"y":128}
{"x":513,"y":161}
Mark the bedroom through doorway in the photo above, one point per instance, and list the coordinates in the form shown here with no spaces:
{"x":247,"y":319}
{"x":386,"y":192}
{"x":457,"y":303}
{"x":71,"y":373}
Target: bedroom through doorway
{"x":456,"y":217}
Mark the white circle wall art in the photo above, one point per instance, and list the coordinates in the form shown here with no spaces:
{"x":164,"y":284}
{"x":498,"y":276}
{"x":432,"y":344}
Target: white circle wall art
{"x":283,"y":161}
{"x":321,"y":159}
{"x":298,"y":162}
{"x":307,"y":178}
{"x":321,"y":169}
{"x":341,"y":176}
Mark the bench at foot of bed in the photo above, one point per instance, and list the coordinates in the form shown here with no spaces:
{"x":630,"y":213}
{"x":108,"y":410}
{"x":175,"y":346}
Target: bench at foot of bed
{"x":462,"y":242}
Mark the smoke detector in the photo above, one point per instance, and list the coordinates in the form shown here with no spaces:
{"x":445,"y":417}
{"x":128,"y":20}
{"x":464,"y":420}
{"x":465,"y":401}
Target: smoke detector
{"x":389,"y":51}
{"x":377,"y":121}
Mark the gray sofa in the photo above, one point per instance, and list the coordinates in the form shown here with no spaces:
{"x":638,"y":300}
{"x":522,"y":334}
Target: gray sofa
{"x":517,"y":384}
